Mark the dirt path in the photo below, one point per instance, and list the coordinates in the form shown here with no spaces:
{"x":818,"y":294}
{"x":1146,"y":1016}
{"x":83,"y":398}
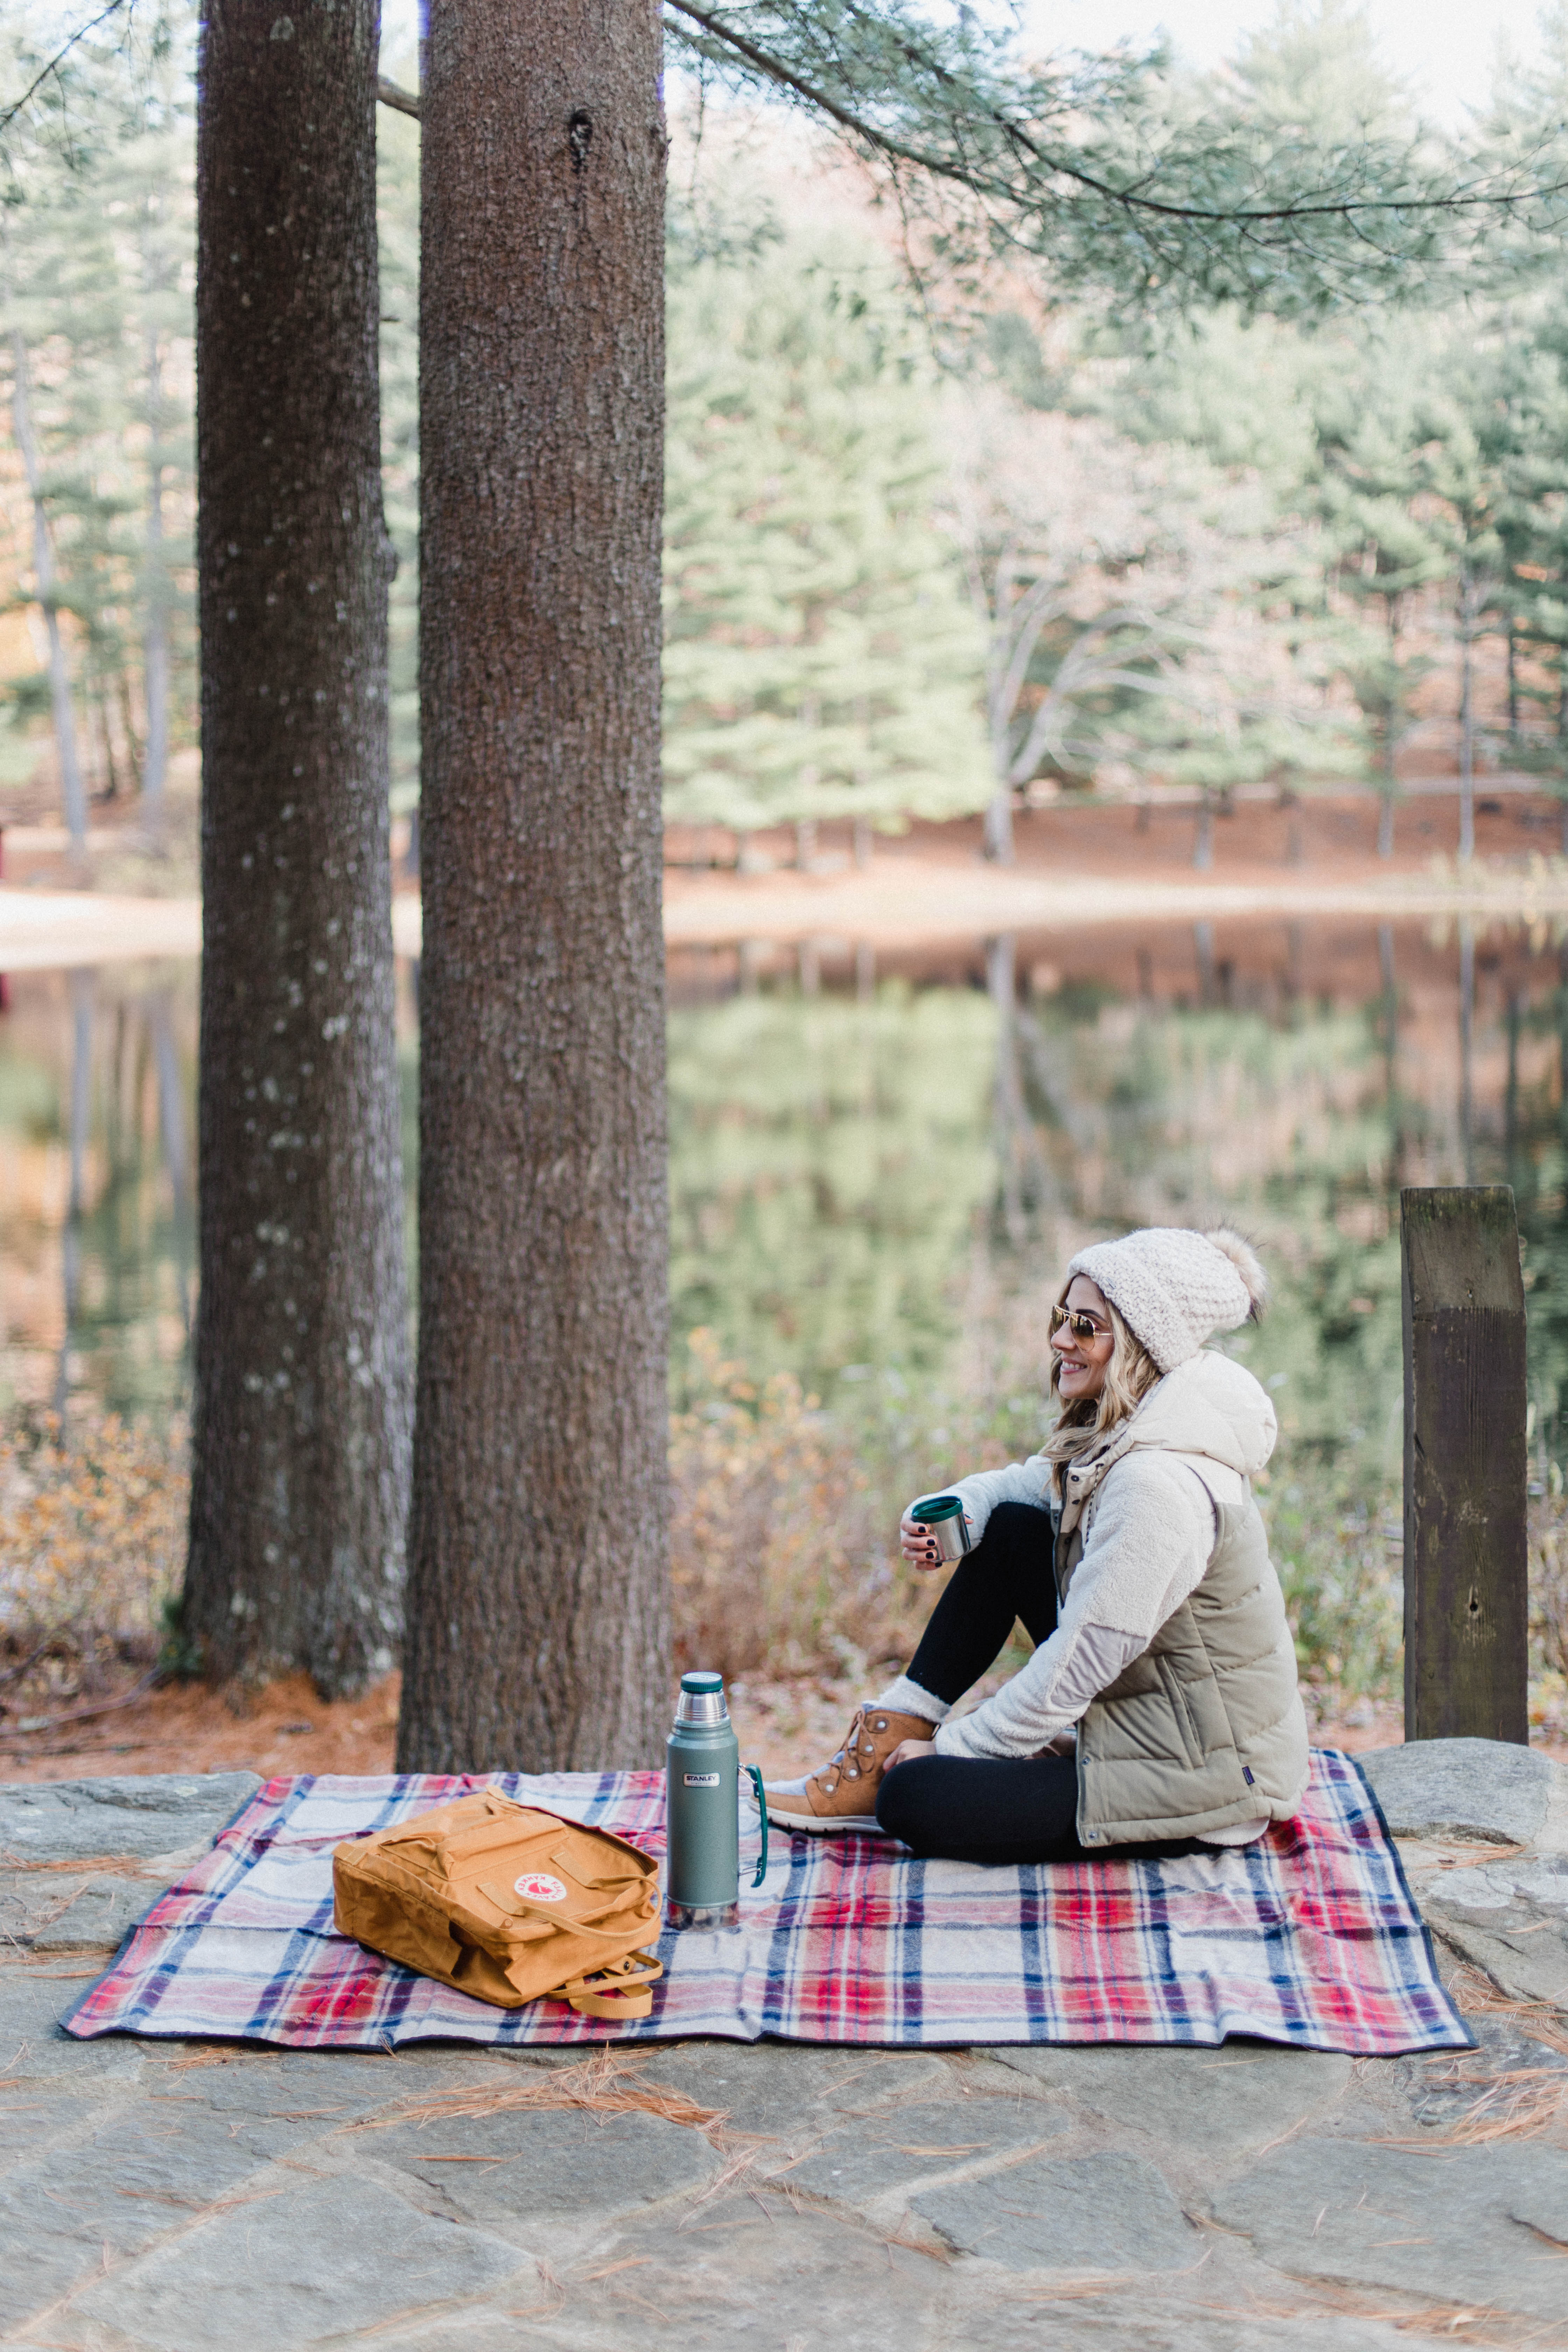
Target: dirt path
{"x":786,"y":1726}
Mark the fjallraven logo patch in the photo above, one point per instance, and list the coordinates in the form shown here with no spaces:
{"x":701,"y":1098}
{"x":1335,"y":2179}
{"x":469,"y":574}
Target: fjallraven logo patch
{"x":539,"y":1888}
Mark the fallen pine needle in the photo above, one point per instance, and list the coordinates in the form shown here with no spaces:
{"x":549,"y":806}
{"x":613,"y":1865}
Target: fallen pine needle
{"x":1537,"y":2100}
{"x":738,"y":2166}
{"x":1476,"y":1994}
{"x":1429,"y":2318}
{"x":68,"y":1976}
{"x":1268,"y":2146}
{"x":606,"y":2083}
{"x":31,"y":1961}
{"x":1074,"y":2285}
{"x":104,"y":1866}
{"x":914,"y":2246}
{"x":624,"y":2295}
{"x":551,"y":2285}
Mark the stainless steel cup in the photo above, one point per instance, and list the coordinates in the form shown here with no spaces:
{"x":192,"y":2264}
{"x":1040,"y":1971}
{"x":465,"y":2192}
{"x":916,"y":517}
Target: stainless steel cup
{"x":943,"y":1514}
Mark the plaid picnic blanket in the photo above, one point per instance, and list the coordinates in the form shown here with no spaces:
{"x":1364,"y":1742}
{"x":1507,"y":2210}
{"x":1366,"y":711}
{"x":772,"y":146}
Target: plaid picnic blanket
{"x":1310,"y":1938}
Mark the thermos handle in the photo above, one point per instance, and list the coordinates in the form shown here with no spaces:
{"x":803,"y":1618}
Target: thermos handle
{"x":762,"y":1808}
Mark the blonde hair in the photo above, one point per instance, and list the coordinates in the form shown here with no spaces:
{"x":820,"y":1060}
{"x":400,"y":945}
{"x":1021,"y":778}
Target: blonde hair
{"x":1130,"y":1375}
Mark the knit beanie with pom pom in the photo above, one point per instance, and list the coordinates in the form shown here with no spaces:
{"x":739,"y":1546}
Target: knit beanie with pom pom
{"x":1173,"y":1287}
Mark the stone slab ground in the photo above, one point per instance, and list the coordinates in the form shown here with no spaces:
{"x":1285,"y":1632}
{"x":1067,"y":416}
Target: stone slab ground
{"x":189,"y":2197}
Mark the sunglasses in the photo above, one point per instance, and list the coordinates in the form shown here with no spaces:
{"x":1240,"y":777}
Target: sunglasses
{"x":1082,"y":1326}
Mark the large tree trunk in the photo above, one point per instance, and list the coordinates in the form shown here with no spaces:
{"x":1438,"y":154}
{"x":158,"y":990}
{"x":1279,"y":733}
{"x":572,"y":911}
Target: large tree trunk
{"x":538,"y":1621}
{"x":300,"y":1440}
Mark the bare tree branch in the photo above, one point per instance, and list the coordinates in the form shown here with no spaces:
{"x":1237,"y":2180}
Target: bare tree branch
{"x":404,"y":101}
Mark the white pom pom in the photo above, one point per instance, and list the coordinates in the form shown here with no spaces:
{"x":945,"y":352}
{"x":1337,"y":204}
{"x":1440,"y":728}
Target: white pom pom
{"x":1243,"y":1257}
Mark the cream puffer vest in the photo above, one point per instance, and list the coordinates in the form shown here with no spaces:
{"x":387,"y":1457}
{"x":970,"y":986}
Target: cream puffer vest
{"x":1206,"y":1729}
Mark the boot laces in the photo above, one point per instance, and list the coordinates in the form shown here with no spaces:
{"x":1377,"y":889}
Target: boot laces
{"x":857,"y":1756}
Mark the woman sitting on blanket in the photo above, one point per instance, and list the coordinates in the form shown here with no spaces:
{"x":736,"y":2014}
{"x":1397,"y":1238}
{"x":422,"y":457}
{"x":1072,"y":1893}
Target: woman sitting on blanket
{"x":1160,"y":1707}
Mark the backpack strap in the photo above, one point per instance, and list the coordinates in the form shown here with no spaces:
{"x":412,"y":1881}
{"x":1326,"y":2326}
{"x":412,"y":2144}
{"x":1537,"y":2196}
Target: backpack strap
{"x":624,"y":1989}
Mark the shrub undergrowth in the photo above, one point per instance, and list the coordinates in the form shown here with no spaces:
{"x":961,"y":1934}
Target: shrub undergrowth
{"x":92,"y":1541}
{"x":783,"y":1539}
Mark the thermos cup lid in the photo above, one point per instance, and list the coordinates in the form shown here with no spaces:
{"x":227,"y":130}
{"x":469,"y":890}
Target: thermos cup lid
{"x":936,"y":1507}
{"x":702,"y":1700}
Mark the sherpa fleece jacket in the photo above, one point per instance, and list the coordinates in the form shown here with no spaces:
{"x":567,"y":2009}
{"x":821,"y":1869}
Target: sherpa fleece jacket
{"x":1148,"y":1535}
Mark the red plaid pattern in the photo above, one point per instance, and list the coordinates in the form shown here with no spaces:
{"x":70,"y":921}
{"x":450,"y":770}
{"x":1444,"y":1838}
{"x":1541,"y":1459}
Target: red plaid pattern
{"x":1310,"y":1938}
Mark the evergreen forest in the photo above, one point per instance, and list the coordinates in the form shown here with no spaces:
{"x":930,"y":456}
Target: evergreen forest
{"x":930,"y":543}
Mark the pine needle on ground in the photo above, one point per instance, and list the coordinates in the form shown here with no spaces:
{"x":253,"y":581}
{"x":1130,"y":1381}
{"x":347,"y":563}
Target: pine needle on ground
{"x":607,"y":2083}
{"x":1476,"y":2323}
{"x":93,"y":1865}
{"x":1477,"y":1996}
{"x":1520,"y":2104}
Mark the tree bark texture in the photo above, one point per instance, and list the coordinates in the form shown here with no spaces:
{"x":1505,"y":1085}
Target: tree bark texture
{"x":538,"y":1633}
{"x":300,"y":1440}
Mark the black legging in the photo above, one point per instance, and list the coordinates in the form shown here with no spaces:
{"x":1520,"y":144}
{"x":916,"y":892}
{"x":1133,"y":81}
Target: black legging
{"x":1007,"y":1576}
{"x":1025,"y":1807}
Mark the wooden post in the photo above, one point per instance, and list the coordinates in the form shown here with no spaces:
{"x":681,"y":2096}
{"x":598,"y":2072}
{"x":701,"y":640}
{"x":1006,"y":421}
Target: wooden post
{"x":1466,"y":1553}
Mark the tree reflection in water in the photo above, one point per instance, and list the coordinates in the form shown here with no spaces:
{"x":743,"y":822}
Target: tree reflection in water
{"x":882,"y":1171}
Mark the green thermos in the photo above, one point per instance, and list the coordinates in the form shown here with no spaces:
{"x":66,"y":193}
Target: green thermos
{"x":702,"y":1809}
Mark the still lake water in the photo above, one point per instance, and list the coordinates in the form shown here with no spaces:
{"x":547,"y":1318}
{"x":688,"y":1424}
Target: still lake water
{"x":874,"y":1170}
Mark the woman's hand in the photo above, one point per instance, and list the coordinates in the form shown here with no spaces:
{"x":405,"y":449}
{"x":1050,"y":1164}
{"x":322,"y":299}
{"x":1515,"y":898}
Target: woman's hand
{"x":918,"y":1544}
{"x":906,"y":1752}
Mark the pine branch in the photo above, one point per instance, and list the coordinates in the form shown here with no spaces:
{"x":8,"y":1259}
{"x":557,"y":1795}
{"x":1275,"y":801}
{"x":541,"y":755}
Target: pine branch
{"x":404,"y":101}
{"x":8,"y":115}
{"x":1079,"y":164}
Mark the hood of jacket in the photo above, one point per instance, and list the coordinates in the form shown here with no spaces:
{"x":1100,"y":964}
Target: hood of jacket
{"x":1209,"y":1405}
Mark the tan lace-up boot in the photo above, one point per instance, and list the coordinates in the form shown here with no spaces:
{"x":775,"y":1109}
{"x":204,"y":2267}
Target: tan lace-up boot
{"x":843,"y":1795}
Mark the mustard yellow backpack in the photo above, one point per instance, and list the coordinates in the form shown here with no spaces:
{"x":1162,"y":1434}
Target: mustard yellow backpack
{"x":507,"y":1902}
